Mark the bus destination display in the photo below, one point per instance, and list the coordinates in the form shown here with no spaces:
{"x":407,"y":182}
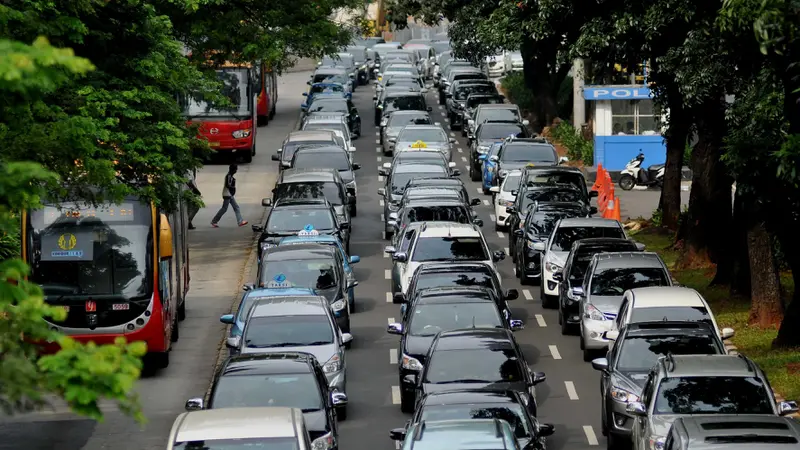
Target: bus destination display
{"x":106,"y":213}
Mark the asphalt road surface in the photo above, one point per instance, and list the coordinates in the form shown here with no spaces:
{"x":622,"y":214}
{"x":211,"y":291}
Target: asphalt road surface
{"x":222,"y":259}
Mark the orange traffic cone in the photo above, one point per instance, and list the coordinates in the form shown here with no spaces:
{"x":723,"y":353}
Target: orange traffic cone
{"x":599,"y":177}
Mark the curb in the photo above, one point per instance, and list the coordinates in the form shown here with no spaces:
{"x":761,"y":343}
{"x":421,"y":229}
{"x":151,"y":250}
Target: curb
{"x":732,"y":350}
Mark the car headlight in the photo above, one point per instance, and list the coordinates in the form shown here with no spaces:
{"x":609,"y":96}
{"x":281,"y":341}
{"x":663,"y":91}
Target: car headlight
{"x":393,"y":206}
{"x":483,"y":148}
{"x":338,"y":305}
{"x":266,"y":245}
{"x":239,"y":134}
{"x":411,"y":363}
{"x":333,"y":365}
{"x":553,"y":267}
{"x":324,"y":442}
{"x":623,"y":396}
{"x":363,"y":66}
{"x":656,"y":442}
{"x":593,"y":313}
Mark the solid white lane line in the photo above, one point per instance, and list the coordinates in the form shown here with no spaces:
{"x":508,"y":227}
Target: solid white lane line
{"x":571,"y":392}
{"x":485,"y":202}
{"x":556,"y":355}
{"x":540,"y":321}
{"x":492,"y":217}
{"x":388,"y":294}
{"x":589,"y":432}
{"x":527,"y":294}
{"x":464,"y":158}
{"x":460,"y":150}
{"x":392,"y":356}
{"x":500,"y":234}
{"x":380,"y":202}
{"x":387,"y":274}
{"x":395,"y":395}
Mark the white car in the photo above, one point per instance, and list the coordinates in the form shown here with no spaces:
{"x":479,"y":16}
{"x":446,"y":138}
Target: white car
{"x":513,"y":62}
{"x":496,"y":65}
{"x":503,"y":198}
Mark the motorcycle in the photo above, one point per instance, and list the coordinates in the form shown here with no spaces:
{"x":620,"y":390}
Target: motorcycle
{"x":633,"y":174}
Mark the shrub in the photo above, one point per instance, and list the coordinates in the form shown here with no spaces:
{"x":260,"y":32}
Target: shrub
{"x":578,"y":147}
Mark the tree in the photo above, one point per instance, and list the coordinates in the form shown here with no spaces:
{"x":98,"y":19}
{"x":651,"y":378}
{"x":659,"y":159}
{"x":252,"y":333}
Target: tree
{"x":80,"y":374}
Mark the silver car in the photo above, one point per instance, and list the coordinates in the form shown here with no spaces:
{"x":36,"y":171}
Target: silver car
{"x":396,"y":121}
{"x":413,"y":137}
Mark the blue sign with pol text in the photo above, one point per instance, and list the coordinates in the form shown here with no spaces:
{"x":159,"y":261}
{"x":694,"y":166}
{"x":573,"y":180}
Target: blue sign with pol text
{"x":617,"y":93}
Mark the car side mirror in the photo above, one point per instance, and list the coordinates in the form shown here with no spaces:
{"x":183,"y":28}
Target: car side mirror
{"x":600,"y":364}
{"x":538,"y":378}
{"x":308,"y":82}
{"x":286,"y":164}
{"x":787,"y":407}
{"x":592,"y":210}
{"x":400,"y":257}
{"x":611,"y":335}
{"x":347,"y":338}
{"x":511,"y":294}
{"x":395,"y":328}
{"x":519,"y":232}
{"x":499,"y":255}
{"x":374,"y":97}
{"x":727,"y":333}
{"x":482,"y":157}
{"x":516,"y":325}
{"x":563,"y":160}
{"x":546,"y":429}
{"x":276,"y":157}
{"x":455,"y":173}
{"x":577,"y":292}
{"x":475,"y":202}
{"x":338,"y":398}
{"x":636,"y":409}
{"x":640,"y":246}
{"x":356,"y":166}
{"x":593,"y":194}
{"x":233,"y":342}
{"x":389,"y":249}
{"x":558,"y":276}
{"x":526,"y":122}
{"x":392,"y":216}
{"x":494,"y":158}
{"x":248,"y":287}
{"x":538,"y":246}
{"x":351,"y":284}
{"x":227,"y":319}
{"x":478,"y":222}
{"x":305,"y":94}
{"x":256,"y":228}
{"x":266,"y":202}
{"x":344,"y":226}
{"x":452,"y":140}
{"x":382,"y":192}
{"x":494,"y":189}
{"x":511,"y":209}
{"x":355,"y":259}
{"x":429,"y":108}
{"x":397,"y":434}
{"x":194,"y":404}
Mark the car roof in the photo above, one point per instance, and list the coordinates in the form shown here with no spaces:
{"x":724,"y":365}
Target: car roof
{"x":435,"y":181}
{"x":421,"y":154}
{"x":433,"y":202}
{"x":329,"y":70}
{"x":423,"y":168}
{"x":325,"y":117}
{"x":265,"y":292}
{"x":715,"y":432}
{"x":301,"y":203}
{"x":403,"y":93}
{"x":408,"y":112}
{"x":666,"y":296}
{"x":471,"y":396}
{"x":499,"y":106}
{"x":709,"y":366}
{"x":298,"y":252}
{"x":424,"y":127}
{"x":558,"y":206}
{"x":550,"y":169}
{"x":237,"y":423}
{"x":268,"y":363}
{"x":589,"y":222}
{"x":297,"y":240}
{"x":448,"y":229}
{"x":310,"y":135}
{"x":308,"y":175}
{"x":627,"y":260}
{"x":289,"y":306}
{"x":434,"y":191}
{"x":475,"y":338}
{"x":468,"y":433}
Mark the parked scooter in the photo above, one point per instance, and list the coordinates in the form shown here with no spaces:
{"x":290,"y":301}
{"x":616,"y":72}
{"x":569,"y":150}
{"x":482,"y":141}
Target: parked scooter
{"x":633,"y":174}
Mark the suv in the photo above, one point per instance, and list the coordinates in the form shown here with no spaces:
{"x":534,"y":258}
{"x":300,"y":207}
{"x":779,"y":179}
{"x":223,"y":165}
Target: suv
{"x":505,"y":112}
{"x":492,"y":434}
{"x":624,"y":369}
{"x":334,"y":122}
{"x":457,"y":93}
{"x":517,"y":153}
{"x":400,"y":101}
{"x":435,"y":241}
{"x":718,"y":384}
{"x":487,"y":134}
{"x":609,"y":275}
{"x":317,"y":183}
{"x":297,"y":139}
{"x":391,"y":125}
{"x":544,"y":177}
{"x":433,"y":209}
{"x":330,"y":157}
{"x":721,"y":433}
{"x":290,"y":217}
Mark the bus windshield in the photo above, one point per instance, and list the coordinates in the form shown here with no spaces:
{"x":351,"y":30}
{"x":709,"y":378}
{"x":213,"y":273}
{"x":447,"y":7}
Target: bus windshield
{"x":236,"y":88}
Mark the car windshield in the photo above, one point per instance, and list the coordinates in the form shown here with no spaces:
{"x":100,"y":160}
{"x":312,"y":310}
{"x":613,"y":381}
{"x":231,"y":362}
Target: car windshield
{"x":428,"y":319}
{"x":315,"y":89}
{"x":288,"y":331}
{"x":290,"y":390}
{"x":422,"y":134}
{"x":543,"y":222}
{"x":405,"y":103}
{"x":328,"y":190}
{"x":640,"y":353}
{"x":524,"y":152}
{"x":713,"y":395}
{"x":580,"y":263}
{"x":460,"y":278}
{"x":565,"y":236}
{"x":672,"y":313}
{"x":500,"y":131}
{"x":240,"y":444}
{"x":453,"y":366}
{"x":615,"y":282}
{"x":553,"y":195}
{"x":511,"y":183}
{"x":400,"y":83}
{"x":510,"y":115}
{"x":510,"y":412}
{"x":291,"y":147}
{"x":419,"y":157}
{"x":291,"y":219}
{"x":235,"y":88}
{"x":454,"y":213}
{"x":473,"y":102}
{"x":450,"y":249}
{"x":462,"y":92}
{"x":330,"y":78}
{"x":402,"y":68}
{"x":399,"y":180}
{"x":303,"y":273}
{"x":329,"y":105}
{"x":321,"y":160}
{"x":359,"y":54}
{"x":338,"y":60}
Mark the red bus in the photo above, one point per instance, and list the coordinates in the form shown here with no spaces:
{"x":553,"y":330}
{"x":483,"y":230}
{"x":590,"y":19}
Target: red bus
{"x":119,"y":270}
{"x":267,"y":96}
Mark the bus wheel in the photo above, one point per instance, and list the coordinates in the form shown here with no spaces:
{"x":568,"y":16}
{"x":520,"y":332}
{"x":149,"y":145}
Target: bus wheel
{"x":175,"y":330}
{"x":155,"y":361}
{"x":262,"y":121}
{"x":182,"y":310}
{"x":248,"y":158}
{"x":272,"y":113}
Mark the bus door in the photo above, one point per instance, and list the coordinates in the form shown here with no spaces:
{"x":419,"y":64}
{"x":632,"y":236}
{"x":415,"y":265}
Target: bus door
{"x":166,"y":286}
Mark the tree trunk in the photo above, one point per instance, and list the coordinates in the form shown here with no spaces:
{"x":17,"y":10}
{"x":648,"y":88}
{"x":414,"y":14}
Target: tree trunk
{"x":788,"y":224}
{"x":676,"y":138}
{"x":706,"y":233}
{"x":740,"y":280}
{"x":765,"y":293}
{"x":543,"y":84}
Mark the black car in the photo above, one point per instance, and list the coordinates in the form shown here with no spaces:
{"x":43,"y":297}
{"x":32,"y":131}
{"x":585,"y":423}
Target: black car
{"x":517,"y":153}
{"x":439,"y":310}
{"x":478,"y":404}
{"x":396,"y":182}
{"x":539,"y":223}
{"x":454,"y":291}
{"x":290,"y":217}
{"x":487,"y":134}
{"x":527,"y":197}
{"x":457,"y":94}
{"x":304,"y":138}
{"x":338,"y":105}
{"x":293,"y":380}
{"x":456,"y":274}
{"x":330,"y":157}
{"x":458,"y":71}
{"x":431,"y":210}
{"x":439,"y":181}
{"x":316,"y":183}
{"x":448,"y":192}
{"x":477,"y":358}
{"x":309,"y":266}
{"x":575,"y":270}
{"x":544,"y":177}
{"x":400,"y":101}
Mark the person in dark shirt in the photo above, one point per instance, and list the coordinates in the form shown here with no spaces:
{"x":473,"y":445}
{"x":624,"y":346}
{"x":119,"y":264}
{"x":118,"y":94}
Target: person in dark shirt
{"x":193,"y":208}
{"x":228,"y":198}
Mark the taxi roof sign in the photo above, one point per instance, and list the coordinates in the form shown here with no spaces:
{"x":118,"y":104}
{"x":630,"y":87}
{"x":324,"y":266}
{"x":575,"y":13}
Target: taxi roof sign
{"x":279,"y":281}
{"x":308,"y":230}
{"x":419,"y":144}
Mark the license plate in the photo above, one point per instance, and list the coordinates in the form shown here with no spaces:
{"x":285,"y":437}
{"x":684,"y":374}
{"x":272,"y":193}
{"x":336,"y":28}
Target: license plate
{"x":213,"y":144}
{"x":120,"y":307}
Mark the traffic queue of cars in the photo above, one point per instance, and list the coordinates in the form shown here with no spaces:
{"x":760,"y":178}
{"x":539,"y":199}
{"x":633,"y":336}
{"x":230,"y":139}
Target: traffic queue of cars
{"x":461,"y":372}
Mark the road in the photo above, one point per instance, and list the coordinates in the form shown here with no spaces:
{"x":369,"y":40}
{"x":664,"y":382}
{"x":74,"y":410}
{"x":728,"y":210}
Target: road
{"x":222,"y":259}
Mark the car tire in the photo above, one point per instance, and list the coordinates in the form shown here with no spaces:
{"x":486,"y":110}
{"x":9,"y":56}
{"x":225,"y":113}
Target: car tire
{"x":474,"y":175}
{"x":566,"y":328}
{"x":248,"y":158}
{"x":354,"y":210}
{"x":406,"y":402}
{"x":176,"y":334}
{"x":588,"y":354}
{"x":262,"y":121}
{"x":341,"y":413}
{"x":548,"y":302}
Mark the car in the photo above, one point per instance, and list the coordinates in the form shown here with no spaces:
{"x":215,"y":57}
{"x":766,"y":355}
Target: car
{"x":336,"y":122}
{"x":437,"y":310}
{"x":315,"y":184}
{"x":312,"y":266}
{"x":420,"y":156}
{"x":624,"y":370}
{"x":397,"y":81}
{"x":557,"y":247}
{"x":563,"y":197}
{"x":344,"y":60}
{"x":392,"y":67}
{"x":332,"y":105}
{"x":383,"y":48}
{"x":505,"y":112}
{"x":436,"y":241}
{"x":451,"y":365}
{"x":726,"y":432}
{"x":361,"y":59}
{"x":713,"y":384}
{"x":574,"y":272}
{"x":548,"y":177}
{"x":476,"y":404}
{"x":285,"y":379}
{"x":443,"y":274}
{"x":517,"y":153}
{"x":456,"y":98}
{"x":472,"y":102}
{"x":332,"y":75}
{"x":370,"y":41}
{"x":446,"y":66}
{"x":395,"y":185}
{"x":538,"y":225}
{"x":453,"y":193}
{"x":396,"y":121}
{"x":670,"y":303}
{"x":513,"y":62}
{"x":489,"y":168}
{"x":297,"y":139}
{"x":290,"y":216}
{"x":413,"y":137}
{"x":269,"y":427}
{"x":488,"y":133}
{"x":441,"y":181}
{"x":400,"y":101}
{"x":496,"y":65}
{"x":608,"y":277}
{"x":454,"y":291}
{"x":427,"y":57}
{"x":459,"y":74}
{"x":432,"y":210}
{"x":502,"y":198}
{"x":334,"y":242}
{"x":330,"y":157}
{"x":323,"y":89}
{"x":441,"y":46}
{"x":492,"y":434}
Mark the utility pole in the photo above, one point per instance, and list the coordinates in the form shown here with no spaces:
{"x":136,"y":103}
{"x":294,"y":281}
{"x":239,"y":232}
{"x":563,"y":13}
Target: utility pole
{"x":379,"y":21}
{"x":578,"y":102}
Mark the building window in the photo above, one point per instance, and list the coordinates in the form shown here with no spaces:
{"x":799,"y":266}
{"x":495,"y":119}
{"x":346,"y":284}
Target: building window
{"x":633,"y":117}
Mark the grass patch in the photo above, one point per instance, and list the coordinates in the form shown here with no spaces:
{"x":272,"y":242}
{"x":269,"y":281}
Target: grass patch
{"x":781,"y":366}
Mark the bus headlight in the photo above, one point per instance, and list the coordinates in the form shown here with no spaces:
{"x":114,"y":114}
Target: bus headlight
{"x":239,"y":134}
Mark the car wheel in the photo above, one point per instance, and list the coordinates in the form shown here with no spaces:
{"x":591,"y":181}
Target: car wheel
{"x":248,"y":158}
{"x":341,"y":413}
{"x":262,"y":121}
{"x":353,"y":210}
{"x":406,"y":402}
{"x":175,"y":330}
{"x":182,"y":310}
{"x":547,"y":300}
{"x":474,"y":174}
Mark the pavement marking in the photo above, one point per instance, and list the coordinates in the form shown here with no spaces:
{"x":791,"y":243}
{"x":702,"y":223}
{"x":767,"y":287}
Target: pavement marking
{"x":377,"y":133}
{"x":443,"y":114}
{"x":388,"y":294}
{"x":452,"y":134}
{"x":556,"y":355}
{"x":387,"y":274}
{"x":395,"y":395}
{"x":377,"y":141}
{"x":392,"y":356}
{"x":540,"y":321}
{"x":391,"y":320}
{"x":446,"y":119}
{"x":571,"y":392}
{"x":480,"y":191}
{"x":377,"y":149}
{"x":438,"y":124}
{"x":527,"y":294}
{"x":382,"y":217}
{"x":500,"y":234}
{"x":460,"y":150}
{"x":492,"y":218}
{"x":588,"y":431}
{"x":467,"y":167}
{"x":380,"y":158}
{"x":380,"y":178}
{"x":381,"y":202}
{"x":464,"y":158}
{"x":396,"y":445}
{"x":486,"y":202}
{"x":507,"y":252}
{"x":441,"y":107}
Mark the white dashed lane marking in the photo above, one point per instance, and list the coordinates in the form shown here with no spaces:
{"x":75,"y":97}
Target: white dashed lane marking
{"x":381,"y":202}
{"x":380,"y":158}
{"x":540,"y":321}
{"x":390,"y":321}
{"x":392,"y":356}
{"x":589,"y":432}
{"x":554,"y":352}
{"x":380,"y":178}
{"x":492,"y":217}
{"x":485,"y":202}
{"x":388,"y":294}
{"x":571,"y":392}
{"x":460,"y":150}
{"x":387,"y":274}
{"x":452,"y":134}
{"x":377,"y":141}
{"x":395,"y":395}
{"x":500,"y":234}
{"x":527,"y":294}
{"x":507,"y":252}
{"x":480,"y":191}
{"x":464,"y":158}
{"x":378,"y":150}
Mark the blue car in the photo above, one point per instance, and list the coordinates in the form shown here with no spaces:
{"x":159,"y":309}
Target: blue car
{"x":250,"y":297}
{"x":325,"y":89}
{"x":330,"y":240}
{"x":489,"y":167}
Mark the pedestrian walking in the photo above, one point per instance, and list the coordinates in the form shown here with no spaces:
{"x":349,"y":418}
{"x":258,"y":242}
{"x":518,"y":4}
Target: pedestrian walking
{"x":229,"y":198}
{"x":193,"y":208}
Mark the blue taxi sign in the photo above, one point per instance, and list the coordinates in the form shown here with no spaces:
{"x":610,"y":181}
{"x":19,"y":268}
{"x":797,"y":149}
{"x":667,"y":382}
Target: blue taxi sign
{"x":279,"y":281}
{"x":308,"y":230}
